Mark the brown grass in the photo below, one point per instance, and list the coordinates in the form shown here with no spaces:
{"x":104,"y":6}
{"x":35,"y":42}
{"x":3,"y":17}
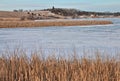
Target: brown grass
{"x":36,"y":68}
{"x":10,"y":19}
{"x":13,"y":24}
{"x":10,"y":14}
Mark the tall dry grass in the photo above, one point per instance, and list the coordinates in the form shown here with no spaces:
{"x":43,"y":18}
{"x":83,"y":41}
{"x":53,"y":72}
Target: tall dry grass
{"x":37,"y":68}
{"x":14,"y":24}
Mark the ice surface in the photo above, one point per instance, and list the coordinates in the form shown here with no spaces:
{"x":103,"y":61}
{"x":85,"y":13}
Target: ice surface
{"x":103,"y":38}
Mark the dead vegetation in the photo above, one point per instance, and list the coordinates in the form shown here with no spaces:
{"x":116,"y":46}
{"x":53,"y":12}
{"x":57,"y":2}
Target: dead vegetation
{"x":13,"y":24}
{"x":10,"y":19}
{"x":10,"y":14}
{"x":17,"y":67}
{"x":27,"y":15}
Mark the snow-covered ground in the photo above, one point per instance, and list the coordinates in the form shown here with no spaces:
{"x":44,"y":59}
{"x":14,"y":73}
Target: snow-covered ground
{"x":105,"y":38}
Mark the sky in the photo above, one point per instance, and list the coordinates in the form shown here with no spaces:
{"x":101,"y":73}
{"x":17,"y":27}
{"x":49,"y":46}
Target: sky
{"x":85,"y":5}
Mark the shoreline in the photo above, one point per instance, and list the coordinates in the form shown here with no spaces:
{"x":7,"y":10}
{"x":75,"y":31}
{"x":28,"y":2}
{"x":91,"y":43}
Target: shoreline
{"x":47,"y":23}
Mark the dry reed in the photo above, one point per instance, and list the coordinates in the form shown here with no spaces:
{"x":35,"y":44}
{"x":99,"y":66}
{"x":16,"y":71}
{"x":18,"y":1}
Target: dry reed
{"x":36,"y":68}
{"x":14,"y":24}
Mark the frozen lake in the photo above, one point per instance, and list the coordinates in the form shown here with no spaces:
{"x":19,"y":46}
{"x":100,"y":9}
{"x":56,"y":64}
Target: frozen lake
{"x":104,"y":38}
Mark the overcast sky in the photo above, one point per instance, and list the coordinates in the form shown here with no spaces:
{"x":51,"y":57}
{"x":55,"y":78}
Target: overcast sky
{"x":87,"y":5}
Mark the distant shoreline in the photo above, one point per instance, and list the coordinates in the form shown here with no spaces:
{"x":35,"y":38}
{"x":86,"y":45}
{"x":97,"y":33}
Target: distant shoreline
{"x":16,"y":24}
{"x":52,"y":17}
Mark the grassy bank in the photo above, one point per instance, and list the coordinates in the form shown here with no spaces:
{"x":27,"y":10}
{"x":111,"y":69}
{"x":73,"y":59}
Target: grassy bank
{"x":9,"y":19}
{"x":14,"y":24}
{"x":36,"y":68}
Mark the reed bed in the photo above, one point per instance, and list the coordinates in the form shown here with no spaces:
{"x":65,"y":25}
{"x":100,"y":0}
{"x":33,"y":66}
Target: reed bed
{"x":14,"y":24}
{"x":17,"y":67}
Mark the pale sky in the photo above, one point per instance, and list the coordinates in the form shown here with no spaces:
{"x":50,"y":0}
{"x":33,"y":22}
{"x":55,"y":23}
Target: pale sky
{"x":85,"y":5}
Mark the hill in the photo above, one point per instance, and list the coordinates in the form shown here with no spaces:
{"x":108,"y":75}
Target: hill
{"x":75,"y":12}
{"x":11,"y":14}
{"x":53,"y":13}
{"x":29,"y":15}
